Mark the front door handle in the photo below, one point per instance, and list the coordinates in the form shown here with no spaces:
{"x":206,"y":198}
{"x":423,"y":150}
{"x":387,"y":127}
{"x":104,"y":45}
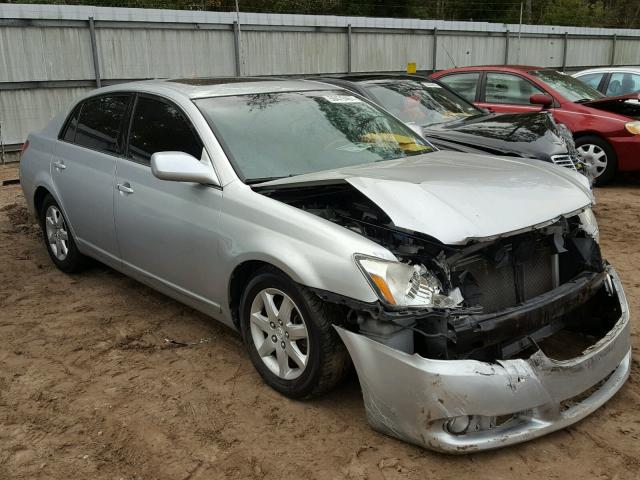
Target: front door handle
{"x":124,"y":188}
{"x":59,"y":165}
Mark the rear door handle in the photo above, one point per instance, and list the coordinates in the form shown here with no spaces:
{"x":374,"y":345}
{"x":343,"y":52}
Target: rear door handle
{"x":59,"y":165}
{"x":124,"y":188}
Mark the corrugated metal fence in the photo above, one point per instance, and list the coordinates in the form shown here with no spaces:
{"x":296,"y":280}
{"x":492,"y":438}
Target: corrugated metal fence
{"x":50,"y":54}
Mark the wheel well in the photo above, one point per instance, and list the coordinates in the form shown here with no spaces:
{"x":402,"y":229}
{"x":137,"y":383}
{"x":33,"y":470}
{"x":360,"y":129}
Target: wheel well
{"x":38,"y":198}
{"x":577,"y":135}
{"x":239,"y":280}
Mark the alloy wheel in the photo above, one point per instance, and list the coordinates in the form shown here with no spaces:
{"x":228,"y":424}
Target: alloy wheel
{"x":57,"y":233}
{"x":279,"y":333}
{"x":595,"y":156}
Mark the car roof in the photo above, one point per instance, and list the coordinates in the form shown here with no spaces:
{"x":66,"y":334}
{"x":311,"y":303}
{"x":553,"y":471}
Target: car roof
{"x":506,"y":68}
{"x":364,"y":77}
{"x":633,"y":69}
{"x":194,"y":88}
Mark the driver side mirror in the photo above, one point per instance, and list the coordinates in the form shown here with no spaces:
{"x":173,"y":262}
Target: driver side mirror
{"x":182,"y":167}
{"x":541,"y":99}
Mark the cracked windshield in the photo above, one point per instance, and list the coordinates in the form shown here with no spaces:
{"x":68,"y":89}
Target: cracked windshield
{"x":422,"y":103}
{"x":275,"y":135}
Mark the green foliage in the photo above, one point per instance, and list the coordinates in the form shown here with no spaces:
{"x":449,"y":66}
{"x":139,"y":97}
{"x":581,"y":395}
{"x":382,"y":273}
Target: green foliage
{"x":573,"y":12}
{"x":588,"y":13}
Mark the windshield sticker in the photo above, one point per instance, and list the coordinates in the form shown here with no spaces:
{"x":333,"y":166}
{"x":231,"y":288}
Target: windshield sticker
{"x":341,"y":99}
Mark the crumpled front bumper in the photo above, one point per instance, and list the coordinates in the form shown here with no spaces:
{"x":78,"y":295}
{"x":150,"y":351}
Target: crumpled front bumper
{"x":422,"y":401}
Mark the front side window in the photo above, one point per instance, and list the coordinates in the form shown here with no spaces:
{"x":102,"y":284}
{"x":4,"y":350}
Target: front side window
{"x":159,"y":126}
{"x":464,"y":84}
{"x":507,"y":88}
{"x":274,"y":135}
{"x":623,"y":83}
{"x":592,"y":79}
{"x":571,"y":88}
{"x":100,"y":123}
{"x":423,"y":103}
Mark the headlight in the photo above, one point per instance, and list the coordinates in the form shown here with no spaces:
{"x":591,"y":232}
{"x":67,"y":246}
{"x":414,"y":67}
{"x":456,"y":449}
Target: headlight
{"x":633,"y":127}
{"x":590,"y":224}
{"x":404,"y":285}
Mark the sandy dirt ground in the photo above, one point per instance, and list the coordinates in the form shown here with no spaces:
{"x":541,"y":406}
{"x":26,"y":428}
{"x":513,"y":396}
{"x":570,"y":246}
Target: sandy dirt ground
{"x":89,"y":388}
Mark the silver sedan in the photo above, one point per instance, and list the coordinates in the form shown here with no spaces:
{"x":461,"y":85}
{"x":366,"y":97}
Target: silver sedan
{"x":468,"y":291}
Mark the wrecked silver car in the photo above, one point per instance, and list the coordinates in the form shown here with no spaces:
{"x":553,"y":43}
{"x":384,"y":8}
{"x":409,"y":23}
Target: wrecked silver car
{"x":468,"y":290}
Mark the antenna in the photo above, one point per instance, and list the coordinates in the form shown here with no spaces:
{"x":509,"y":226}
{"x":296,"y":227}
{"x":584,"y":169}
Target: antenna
{"x":450,"y":57}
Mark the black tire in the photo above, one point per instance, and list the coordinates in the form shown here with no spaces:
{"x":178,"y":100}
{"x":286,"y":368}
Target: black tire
{"x":328,"y":360}
{"x":73,"y":261}
{"x":611,"y":169}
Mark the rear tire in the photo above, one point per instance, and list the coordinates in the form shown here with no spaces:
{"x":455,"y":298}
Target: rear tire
{"x":598,"y":151}
{"x":288,"y":332}
{"x":58,"y":238}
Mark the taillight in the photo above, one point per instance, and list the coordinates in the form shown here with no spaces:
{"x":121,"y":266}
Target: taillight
{"x":25,"y":145}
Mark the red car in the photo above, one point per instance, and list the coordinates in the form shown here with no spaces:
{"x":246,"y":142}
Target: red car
{"x":606,"y":129}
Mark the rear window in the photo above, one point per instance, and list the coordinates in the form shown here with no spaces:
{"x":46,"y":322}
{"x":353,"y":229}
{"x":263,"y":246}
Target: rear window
{"x":100,"y":123}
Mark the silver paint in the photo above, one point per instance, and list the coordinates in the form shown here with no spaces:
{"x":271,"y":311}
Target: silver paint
{"x":122,"y":214}
{"x":413,"y":398}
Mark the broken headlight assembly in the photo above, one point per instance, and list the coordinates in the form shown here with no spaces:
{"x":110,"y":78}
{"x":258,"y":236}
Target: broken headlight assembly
{"x":402,"y":285}
{"x":590,"y":224}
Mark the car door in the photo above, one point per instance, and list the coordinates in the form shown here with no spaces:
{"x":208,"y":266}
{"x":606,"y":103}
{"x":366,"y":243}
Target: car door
{"x":507,"y":92}
{"x":83,"y":170}
{"x":167,"y":231}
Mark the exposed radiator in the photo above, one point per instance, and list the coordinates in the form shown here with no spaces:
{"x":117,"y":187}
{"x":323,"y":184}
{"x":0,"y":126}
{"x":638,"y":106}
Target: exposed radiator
{"x":498,"y":284}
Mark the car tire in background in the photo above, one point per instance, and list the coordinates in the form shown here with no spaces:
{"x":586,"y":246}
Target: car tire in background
{"x":289,"y":335}
{"x":599,"y":152}
{"x":58,"y":238}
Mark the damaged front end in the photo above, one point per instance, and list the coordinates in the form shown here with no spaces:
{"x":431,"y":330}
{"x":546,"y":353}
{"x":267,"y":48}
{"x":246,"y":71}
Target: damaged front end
{"x":482,"y":345}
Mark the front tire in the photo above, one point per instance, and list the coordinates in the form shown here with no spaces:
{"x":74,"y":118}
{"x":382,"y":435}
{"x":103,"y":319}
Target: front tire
{"x":596,"y":151}
{"x":289,"y":335}
{"x":57,"y":237}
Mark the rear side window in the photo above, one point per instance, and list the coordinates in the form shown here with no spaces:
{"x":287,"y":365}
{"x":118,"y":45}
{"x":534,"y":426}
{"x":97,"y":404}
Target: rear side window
{"x":592,"y":79}
{"x":623,"y":83}
{"x":464,"y":84}
{"x":69,"y":133}
{"x":507,"y":88}
{"x":100,"y":123}
{"x":159,"y":126}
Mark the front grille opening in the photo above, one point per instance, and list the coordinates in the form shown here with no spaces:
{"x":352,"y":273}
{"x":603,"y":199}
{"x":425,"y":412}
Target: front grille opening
{"x":514,"y":278}
{"x":516,"y":269}
{"x":545,"y":289}
{"x":581,"y":397}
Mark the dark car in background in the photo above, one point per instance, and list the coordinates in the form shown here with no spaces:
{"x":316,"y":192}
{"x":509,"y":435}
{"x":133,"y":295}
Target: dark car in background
{"x":606,"y":130}
{"x":451,"y":122}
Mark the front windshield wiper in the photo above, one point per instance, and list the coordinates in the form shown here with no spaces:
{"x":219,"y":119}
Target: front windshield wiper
{"x":582,"y":100}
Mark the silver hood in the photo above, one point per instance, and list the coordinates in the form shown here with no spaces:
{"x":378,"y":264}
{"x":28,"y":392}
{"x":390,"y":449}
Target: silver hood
{"x":455,"y":197}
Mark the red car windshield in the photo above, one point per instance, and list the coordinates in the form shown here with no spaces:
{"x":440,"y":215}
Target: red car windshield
{"x":567,"y":86}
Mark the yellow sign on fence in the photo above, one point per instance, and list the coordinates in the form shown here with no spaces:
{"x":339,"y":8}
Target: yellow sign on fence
{"x":411,"y":67}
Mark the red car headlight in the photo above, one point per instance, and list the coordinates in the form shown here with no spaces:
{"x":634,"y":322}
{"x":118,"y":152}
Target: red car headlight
{"x":633,"y":127}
